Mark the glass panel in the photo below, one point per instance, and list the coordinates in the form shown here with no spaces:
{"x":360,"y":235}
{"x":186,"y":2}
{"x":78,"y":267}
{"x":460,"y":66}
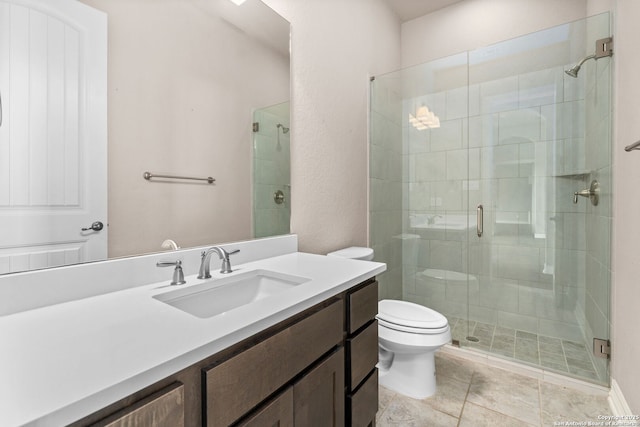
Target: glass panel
{"x":419,"y":175}
{"x":502,"y":126}
{"x":542,"y":136}
{"x":271,"y":171}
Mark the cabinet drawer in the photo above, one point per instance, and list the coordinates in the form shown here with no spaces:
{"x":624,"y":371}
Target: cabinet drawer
{"x":278,"y":412}
{"x":363,"y":354}
{"x":363,"y":404}
{"x":162,"y":409}
{"x":237,"y":385}
{"x":363,"y":306}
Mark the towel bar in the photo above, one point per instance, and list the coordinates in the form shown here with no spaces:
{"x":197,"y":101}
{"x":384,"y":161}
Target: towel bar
{"x":634,"y":146}
{"x":148,"y":176}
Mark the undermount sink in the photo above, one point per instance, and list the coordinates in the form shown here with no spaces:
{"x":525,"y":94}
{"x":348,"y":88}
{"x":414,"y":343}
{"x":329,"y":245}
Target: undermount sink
{"x":221,"y":295}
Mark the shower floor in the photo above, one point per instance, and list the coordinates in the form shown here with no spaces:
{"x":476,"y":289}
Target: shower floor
{"x":548,"y":352}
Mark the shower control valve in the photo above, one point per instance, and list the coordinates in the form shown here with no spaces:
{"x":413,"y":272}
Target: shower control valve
{"x":593,"y":193}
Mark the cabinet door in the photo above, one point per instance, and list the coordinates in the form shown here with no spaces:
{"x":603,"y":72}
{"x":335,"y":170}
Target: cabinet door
{"x":162,"y":409}
{"x":318,"y":398}
{"x":278,"y":412}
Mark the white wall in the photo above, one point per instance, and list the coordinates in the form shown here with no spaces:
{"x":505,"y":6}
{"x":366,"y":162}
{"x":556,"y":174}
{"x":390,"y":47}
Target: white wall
{"x":336,"y":46}
{"x":471,"y":24}
{"x":626,"y":227}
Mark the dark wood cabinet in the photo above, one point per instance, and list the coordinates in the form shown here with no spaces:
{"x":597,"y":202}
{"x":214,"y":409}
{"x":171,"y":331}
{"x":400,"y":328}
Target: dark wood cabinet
{"x":238,"y":384}
{"x":318,"y":398}
{"x":363,"y":404}
{"x":314,"y":369}
{"x":362,"y":355}
{"x":162,"y":409}
{"x":276,"y":412}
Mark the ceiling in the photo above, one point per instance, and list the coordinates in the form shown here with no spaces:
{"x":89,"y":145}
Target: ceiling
{"x":411,"y":9}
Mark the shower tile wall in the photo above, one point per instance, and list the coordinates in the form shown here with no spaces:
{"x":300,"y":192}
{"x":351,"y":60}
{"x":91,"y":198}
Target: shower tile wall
{"x":385,"y":204}
{"x":271,"y":172}
{"x":508,"y":155}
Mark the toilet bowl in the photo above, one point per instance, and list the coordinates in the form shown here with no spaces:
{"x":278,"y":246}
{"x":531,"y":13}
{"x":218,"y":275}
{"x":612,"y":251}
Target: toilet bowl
{"x":408,"y":336}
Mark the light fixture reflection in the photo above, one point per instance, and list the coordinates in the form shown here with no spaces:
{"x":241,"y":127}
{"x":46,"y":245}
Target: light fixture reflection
{"x":424,"y":119}
{"x":238,"y":2}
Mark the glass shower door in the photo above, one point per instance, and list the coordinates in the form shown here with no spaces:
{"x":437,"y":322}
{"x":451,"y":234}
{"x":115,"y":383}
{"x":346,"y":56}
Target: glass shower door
{"x":271,"y":171}
{"x":537,"y":136}
{"x":506,"y":128}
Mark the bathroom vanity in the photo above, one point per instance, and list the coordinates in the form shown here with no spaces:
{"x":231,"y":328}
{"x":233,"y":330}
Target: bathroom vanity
{"x":304,"y":356}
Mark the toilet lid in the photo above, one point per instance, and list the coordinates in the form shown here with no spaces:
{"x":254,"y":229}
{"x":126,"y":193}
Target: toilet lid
{"x":406,"y":313}
{"x":354,"y":252}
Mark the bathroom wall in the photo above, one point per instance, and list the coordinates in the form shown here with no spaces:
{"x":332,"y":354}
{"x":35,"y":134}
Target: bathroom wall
{"x":336,"y":46}
{"x":626,"y":176}
{"x":470,"y":24}
{"x":171,"y":100}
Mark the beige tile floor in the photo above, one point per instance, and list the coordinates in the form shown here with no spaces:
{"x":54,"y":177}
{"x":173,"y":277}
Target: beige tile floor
{"x":472,"y":394}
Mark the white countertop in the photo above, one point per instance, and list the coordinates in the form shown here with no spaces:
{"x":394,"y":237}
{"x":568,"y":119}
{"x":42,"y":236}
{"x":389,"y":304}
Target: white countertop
{"x":62,"y":362}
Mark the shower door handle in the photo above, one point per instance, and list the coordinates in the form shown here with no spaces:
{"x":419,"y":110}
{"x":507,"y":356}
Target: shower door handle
{"x":480,"y":220}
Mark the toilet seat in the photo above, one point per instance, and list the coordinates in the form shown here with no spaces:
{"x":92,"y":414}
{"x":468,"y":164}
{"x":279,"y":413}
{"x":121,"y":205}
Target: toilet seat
{"x":408,"y":329}
{"x":403,"y":314}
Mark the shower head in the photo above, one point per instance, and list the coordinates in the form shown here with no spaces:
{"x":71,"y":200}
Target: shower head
{"x":573,"y":72}
{"x":604,"y":48}
{"x":284,"y":129}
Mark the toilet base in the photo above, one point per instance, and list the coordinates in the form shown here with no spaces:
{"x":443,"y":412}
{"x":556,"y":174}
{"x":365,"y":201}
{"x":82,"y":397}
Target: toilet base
{"x":412,"y":375}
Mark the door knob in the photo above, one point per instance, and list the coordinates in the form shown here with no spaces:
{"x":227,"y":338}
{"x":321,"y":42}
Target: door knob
{"x":96,"y":226}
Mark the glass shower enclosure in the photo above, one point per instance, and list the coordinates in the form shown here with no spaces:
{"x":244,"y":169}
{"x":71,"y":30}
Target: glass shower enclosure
{"x":271,"y":171}
{"x":475,"y":162}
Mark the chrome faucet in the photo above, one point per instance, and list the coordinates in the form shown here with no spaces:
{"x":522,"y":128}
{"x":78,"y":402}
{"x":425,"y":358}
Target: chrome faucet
{"x":205,"y":264}
{"x":178,"y":275}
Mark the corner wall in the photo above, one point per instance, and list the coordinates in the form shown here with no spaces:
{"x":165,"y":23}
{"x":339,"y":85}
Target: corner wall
{"x":626,"y":227}
{"x":336,"y":46}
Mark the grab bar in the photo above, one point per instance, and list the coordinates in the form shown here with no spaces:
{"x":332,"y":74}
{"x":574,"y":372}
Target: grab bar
{"x":148,"y":176}
{"x":634,"y":146}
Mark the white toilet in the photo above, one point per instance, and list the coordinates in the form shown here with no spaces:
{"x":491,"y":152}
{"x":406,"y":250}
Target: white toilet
{"x":408,"y":336}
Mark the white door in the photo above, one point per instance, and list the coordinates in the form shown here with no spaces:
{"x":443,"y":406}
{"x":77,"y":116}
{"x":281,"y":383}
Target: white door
{"x":53,"y":134}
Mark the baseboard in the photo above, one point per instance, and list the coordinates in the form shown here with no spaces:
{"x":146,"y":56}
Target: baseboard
{"x":617,"y":402}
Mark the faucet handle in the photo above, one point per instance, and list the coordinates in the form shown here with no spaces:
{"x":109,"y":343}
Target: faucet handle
{"x":178,"y":274}
{"x":226,"y":264}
